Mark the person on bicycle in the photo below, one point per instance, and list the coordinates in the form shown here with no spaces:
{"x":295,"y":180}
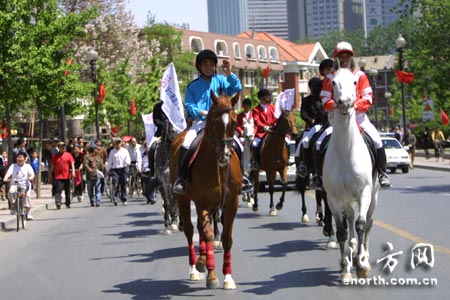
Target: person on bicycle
{"x":134,"y":149}
{"x":20,"y":173}
{"x":198,"y":101}
{"x":438,"y":138}
{"x":62,"y":169}
{"x":343,"y":52}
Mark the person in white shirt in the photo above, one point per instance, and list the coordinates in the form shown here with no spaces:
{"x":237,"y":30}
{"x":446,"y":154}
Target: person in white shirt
{"x":21,"y":174}
{"x":117,"y":165}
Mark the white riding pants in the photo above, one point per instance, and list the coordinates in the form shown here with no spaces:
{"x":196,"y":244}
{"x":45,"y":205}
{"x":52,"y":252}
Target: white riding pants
{"x":308,"y":135}
{"x":196,"y":127}
{"x":324,"y":134}
{"x":368,"y":127}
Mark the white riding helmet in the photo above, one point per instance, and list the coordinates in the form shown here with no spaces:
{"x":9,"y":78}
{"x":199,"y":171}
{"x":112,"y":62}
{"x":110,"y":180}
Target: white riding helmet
{"x":343,"y":47}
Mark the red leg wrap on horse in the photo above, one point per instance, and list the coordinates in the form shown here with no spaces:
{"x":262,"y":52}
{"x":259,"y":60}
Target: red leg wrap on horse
{"x":202,"y":247}
{"x":192,"y":255}
{"x":210,"y":262}
{"x":227,"y":263}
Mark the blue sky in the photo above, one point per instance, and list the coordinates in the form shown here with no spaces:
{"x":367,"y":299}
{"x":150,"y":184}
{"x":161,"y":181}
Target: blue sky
{"x":193,"y":12}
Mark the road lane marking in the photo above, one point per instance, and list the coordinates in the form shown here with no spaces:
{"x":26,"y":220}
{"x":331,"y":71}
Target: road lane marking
{"x":411,"y":237}
{"x":400,"y":232}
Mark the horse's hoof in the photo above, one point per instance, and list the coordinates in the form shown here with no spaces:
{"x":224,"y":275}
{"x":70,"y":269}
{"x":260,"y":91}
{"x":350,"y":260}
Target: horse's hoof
{"x":201,"y":267}
{"x":255,"y":207}
{"x":273,"y":212}
{"x":167,"y":231}
{"x":212,"y":284}
{"x":346,"y":278}
{"x":279,"y":206}
{"x":362,"y":273}
{"x":194,"y":275}
{"x":228,"y":283}
{"x":217,"y":245}
{"x":305,"y":218}
{"x":249,"y":205}
{"x":174,"y":228}
{"x":332,"y":245}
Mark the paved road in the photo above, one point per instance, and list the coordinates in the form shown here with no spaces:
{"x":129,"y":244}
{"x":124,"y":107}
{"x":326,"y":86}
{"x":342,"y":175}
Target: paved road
{"x":120,"y":253}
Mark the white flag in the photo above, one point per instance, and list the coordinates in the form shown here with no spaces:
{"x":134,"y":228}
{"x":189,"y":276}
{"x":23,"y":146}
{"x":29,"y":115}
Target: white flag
{"x":170,"y":95}
{"x":150,"y":128}
{"x":285,"y":101}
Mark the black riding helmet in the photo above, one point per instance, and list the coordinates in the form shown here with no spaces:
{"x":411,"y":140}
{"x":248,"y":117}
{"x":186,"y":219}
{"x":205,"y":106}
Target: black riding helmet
{"x":205,"y":54}
{"x":263,"y":92}
{"x":326,"y":63}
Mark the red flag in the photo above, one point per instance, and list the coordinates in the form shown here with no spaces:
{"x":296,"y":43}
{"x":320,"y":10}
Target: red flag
{"x":133,"y":107}
{"x":101,"y":93}
{"x":69,"y":62}
{"x":265,"y":72}
{"x":444,"y":117}
{"x":404,"y":77}
{"x":115,"y":130}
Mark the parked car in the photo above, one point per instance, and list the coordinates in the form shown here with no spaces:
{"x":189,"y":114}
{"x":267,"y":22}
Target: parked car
{"x":397,"y":155}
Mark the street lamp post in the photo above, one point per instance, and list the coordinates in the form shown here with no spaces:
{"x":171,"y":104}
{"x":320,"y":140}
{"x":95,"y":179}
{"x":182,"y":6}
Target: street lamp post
{"x":399,"y":45}
{"x":92,"y":57}
{"x":374,"y":74}
{"x":387,"y":96}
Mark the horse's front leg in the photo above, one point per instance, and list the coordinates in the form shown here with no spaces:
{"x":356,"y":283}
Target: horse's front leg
{"x":271,"y":176}
{"x":363,"y":224}
{"x":283,"y":190}
{"x":229,"y":214}
{"x":255,"y":181}
{"x":207,"y":249}
{"x":188,"y":229}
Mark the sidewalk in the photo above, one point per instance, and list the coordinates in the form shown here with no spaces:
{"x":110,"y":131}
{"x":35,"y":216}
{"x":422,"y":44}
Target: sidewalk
{"x":431,"y":164}
{"x":8,"y":222}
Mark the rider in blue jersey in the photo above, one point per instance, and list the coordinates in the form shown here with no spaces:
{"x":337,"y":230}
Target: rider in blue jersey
{"x":198,"y":101}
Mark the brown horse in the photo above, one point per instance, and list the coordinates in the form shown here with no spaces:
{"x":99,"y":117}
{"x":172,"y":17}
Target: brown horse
{"x":213,"y":184}
{"x":274,"y":158}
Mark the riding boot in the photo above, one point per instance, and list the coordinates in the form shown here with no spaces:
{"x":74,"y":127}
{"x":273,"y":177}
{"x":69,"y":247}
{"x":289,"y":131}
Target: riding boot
{"x":302,"y":169}
{"x":179,"y":186}
{"x":247,"y":186}
{"x":381,"y":165}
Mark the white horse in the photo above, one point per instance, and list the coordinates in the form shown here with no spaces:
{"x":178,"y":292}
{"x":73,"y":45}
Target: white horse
{"x":351,"y":186}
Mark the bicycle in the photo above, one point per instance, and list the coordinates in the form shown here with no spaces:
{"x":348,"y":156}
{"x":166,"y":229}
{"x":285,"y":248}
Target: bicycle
{"x":19,"y":197}
{"x":134,"y":182}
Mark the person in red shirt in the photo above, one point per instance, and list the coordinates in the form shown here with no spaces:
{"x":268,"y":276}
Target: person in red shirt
{"x":264,"y":119}
{"x":62,"y":168}
{"x":344,"y":53}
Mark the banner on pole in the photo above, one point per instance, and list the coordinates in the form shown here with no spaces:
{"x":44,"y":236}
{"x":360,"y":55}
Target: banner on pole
{"x":150,"y":128}
{"x":170,"y":95}
{"x":285,"y":101}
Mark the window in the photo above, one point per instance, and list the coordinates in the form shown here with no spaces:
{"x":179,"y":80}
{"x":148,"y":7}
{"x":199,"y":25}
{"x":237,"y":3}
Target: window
{"x":196,"y":44}
{"x":249,"y":78}
{"x":262,"y":55}
{"x":274,"y":57}
{"x":250,"y":52}
{"x":221,"y":48}
{"x":236,"y":50}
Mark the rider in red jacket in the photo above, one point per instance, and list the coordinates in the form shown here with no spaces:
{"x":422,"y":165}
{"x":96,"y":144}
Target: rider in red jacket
{"x":344,"y":53}
{"x":264,"y":119}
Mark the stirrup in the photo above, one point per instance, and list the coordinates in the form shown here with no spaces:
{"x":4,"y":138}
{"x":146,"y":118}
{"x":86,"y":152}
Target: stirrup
{"x":179,"y":186}
{"x":301,"y":170}
{"x":385,"y":183}
{"x":247,"y":186}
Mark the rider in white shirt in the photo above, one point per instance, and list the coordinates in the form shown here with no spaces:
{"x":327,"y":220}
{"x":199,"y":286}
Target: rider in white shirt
{"x":21,"y":174}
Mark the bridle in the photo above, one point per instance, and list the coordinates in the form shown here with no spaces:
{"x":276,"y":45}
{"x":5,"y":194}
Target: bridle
{"x":222,"y":142}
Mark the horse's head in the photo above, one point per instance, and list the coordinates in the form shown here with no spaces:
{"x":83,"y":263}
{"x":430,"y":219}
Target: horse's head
{"x":286,"y":123}
{"x":168,"y":133}
{"x":221,"y":124}
{"x":344,"y":89}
